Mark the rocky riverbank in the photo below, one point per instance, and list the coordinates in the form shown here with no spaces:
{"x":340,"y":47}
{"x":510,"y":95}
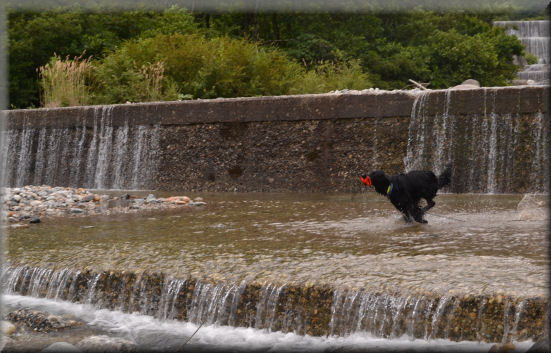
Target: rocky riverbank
{"x":29,"y":204}
{"x":26,"y":330}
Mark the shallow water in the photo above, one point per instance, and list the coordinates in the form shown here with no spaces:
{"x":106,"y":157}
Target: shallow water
{"x":472,"y":243}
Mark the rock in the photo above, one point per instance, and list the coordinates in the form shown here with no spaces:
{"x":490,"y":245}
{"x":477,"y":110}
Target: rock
{"x":88,"y":198}
{"x":34,"y":220}
{"x":150,"y":198}
{"x":76,"y":210}
{"x":61,"y":347}
{"x":36,"y":203}
{"x":502,"y":348}
{"x":468,"y":84}
{"x":542,"y":346}
{"x":199,"y":203}
{"x":8,"y":328}
{"x":106,"y":344}
{"x":125,"y":196}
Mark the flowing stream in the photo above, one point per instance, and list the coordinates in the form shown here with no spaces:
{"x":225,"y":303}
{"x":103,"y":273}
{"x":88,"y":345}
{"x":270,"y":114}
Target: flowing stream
{"x":288,"y":271}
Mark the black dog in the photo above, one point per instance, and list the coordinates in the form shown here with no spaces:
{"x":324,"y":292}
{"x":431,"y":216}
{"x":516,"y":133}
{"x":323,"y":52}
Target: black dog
{"x":406,"y":190}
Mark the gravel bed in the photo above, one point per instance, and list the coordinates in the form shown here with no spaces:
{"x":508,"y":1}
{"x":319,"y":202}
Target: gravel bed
{"x":29,"y":204}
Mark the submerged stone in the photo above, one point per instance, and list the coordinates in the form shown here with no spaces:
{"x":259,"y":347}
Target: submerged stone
{"x":61,"y":347}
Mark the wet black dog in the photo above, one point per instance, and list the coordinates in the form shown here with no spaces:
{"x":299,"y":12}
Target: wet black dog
{"x":405,"y":191}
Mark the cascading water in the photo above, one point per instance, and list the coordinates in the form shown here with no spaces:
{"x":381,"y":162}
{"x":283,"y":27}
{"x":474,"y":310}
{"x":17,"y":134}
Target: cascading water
{"x":282,"y":308}
{"x":101,"y":156}
{"x":499,"y":152}
{"x":535,"y":36}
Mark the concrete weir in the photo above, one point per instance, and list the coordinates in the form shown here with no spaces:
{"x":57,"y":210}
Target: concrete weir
{"x":304,"y":308}
{"x":497,"y":139}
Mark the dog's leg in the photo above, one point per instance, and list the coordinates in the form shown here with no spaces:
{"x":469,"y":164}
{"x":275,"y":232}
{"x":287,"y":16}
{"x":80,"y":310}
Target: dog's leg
{"x":417,"y":214}
{"x":407,"y":217}
{"x":430,"y":204}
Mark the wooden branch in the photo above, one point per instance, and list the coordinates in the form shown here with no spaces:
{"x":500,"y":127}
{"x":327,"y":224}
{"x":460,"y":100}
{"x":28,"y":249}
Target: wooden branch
{"x":419,"y":85}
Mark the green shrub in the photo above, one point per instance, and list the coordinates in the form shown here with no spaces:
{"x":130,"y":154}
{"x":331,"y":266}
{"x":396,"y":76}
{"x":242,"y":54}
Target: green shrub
{"x":197,"y":67}
{"x":188,"y":66}
{"x":531,"y":59}
{"x":328,"y":76}
{"x":121,"y":79}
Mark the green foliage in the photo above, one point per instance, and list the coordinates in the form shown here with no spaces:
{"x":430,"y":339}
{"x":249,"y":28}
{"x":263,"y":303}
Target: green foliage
{"x":35,"y":37}
{"x":531,"y":59}
{"x":244,"y":54}
{"x":197,"y":67}
{"x":443,"y":49}
{"x":311,"y":49}
{"x":328,"y":76}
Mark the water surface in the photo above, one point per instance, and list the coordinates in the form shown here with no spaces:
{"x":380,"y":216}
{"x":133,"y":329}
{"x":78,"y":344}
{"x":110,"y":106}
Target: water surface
{"x":472,"y":244}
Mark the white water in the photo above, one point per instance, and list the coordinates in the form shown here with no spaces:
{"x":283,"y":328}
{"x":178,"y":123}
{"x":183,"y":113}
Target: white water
{"x":485,"y":149}
{"x":535,"y":37}
{"x":161,"y":335}
{"x":102,"y":156}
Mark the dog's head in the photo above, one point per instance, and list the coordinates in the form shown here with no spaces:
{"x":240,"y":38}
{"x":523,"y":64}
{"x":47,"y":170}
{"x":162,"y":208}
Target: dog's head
{"x":378,"y":179}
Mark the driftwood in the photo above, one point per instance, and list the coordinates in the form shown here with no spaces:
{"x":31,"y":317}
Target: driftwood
{"x":419,"y":85}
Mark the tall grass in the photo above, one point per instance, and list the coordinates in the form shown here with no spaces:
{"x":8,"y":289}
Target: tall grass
{"x":63,"y":82}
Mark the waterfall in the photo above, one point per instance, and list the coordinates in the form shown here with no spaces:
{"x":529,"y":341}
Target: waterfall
{"x":100,"y":156}
{"x":534,"y":35}
{"x":492,"y":152}
{"x":302,"y":309}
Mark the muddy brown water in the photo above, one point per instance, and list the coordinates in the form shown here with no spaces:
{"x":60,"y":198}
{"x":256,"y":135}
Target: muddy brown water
{"x":472,"y":244}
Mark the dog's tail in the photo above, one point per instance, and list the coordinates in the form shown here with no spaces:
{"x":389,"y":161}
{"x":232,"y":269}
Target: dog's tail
{"x":446,"y":177}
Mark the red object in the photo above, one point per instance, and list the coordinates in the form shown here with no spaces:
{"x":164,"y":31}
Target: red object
{"x":366,"y":180}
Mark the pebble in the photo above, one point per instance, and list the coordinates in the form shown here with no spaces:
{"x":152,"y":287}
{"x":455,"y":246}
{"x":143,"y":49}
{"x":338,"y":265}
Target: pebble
{"x":32,"y":203}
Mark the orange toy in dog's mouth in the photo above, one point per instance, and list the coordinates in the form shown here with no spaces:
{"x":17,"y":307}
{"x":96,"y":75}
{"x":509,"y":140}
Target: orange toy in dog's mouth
{"x":366,"y":180}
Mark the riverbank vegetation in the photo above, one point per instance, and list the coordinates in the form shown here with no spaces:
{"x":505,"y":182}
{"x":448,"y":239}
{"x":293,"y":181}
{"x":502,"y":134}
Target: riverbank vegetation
{"x":141,"y":55}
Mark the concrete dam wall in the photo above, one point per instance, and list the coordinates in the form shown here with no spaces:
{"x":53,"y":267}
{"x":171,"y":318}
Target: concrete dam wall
{"x":496,"y":138}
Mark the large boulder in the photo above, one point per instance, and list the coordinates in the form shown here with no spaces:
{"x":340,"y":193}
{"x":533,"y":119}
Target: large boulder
{"x":468,"y":84}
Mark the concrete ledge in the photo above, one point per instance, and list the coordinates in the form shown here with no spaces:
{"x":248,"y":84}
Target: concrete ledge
{"x":279,"y":108}
{"x":303,"y":308}
{"x":376,"y":104}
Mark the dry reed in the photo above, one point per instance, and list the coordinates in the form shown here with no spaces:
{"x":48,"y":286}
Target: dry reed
{"x":63,"y":82}
{"x":153,"y":80}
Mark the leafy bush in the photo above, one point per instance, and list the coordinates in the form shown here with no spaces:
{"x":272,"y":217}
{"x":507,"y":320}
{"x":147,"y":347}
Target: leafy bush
{"x":35,"y":36}
{"x":120,"y":78}
{"x":329,"y":76}
{"x":531,"y":59}
{"x":197,"y":68}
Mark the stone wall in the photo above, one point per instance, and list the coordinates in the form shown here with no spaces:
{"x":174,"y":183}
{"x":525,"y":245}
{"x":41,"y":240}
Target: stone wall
{"x":318,"y":143}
